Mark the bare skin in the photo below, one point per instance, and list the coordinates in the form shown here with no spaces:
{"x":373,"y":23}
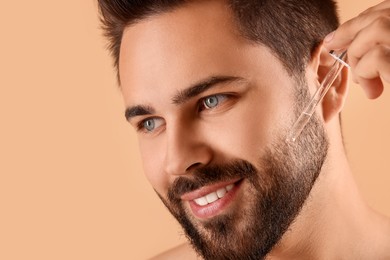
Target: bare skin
{"x":367,"y":39}
{"x":184,"y":251}
{"x":335,"y":222}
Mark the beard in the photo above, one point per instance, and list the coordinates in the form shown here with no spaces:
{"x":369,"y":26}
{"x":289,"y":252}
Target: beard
{"x":274,"y":192}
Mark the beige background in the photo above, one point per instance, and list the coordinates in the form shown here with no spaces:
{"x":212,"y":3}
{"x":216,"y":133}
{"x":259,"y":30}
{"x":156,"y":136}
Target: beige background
{"x":71,"y":184}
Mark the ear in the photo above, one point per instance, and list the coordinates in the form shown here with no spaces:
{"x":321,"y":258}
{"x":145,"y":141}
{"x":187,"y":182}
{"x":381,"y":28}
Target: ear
{"x":333,"y":102}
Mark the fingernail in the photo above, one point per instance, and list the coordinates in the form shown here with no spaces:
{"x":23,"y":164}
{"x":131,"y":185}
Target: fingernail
{"x":329,"y":37}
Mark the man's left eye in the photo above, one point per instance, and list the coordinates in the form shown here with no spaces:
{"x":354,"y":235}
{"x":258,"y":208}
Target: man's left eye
{"x":211,"y":102}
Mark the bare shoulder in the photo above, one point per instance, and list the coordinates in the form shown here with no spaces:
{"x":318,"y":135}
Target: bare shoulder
{"x":184,"y":251}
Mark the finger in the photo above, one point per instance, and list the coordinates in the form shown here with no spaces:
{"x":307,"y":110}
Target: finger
{"x":373,"y":88}
{"x":372,"y":68}
{"x":377,"y":33}
{"x":376,"y":63}
{"x":345,"y":34}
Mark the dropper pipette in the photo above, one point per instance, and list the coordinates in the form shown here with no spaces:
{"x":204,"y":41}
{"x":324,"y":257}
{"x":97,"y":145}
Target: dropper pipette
{"x":309,"y":110}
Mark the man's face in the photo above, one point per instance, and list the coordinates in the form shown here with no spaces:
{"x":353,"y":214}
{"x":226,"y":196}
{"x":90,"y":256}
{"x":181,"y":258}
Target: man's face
{"x":212,"y":111}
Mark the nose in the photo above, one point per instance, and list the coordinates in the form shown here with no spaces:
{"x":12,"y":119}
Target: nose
{"x":186,"y":150}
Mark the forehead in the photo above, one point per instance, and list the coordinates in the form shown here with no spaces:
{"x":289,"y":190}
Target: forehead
{"x":172,"y":50}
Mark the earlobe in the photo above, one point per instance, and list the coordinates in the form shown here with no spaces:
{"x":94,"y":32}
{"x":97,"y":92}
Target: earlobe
{"x":334,"y":100}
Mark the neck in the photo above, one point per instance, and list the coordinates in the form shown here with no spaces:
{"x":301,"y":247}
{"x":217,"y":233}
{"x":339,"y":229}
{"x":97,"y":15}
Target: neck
{"x":335,"y":222}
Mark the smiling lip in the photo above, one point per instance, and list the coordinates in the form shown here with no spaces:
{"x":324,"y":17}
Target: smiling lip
{"x":203,"y":209}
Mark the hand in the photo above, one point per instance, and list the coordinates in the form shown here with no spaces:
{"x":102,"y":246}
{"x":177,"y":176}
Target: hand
{"x":367,"y":38}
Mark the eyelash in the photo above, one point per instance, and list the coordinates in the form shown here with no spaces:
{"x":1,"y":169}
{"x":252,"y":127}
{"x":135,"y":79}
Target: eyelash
{"x":201,"y":107}
{"x":141,"y":125}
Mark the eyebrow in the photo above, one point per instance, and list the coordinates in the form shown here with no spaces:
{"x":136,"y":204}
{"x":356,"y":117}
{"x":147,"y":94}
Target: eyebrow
{"x":183,"y":95}
{"x":138,"y":110}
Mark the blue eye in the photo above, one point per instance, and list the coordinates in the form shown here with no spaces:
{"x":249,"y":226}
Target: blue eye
{"x":213,"y":101}
{"x":149,"y":125}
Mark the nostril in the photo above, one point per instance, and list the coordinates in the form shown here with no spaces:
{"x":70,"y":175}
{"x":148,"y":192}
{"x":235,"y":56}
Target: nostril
{"x":193,"y":166}
{"x":184,"y":158}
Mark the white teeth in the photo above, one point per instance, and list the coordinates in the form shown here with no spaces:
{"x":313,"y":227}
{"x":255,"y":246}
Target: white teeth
{"x":221,"y":192}
{"x":213,"y":196}
{"x":229,"y":187}
{"x":201,"y":201}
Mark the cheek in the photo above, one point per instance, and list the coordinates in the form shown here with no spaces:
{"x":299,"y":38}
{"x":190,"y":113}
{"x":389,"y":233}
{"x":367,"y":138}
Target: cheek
{"x":152,"y":159}
{"x":252,"y":126}
{"x":244,"y":132}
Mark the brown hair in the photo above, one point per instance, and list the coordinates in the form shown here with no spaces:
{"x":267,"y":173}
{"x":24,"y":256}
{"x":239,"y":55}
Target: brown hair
{"x":292,"y":29}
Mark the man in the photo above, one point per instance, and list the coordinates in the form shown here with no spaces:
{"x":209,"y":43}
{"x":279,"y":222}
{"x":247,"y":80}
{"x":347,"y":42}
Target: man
{"x":213,"y":88}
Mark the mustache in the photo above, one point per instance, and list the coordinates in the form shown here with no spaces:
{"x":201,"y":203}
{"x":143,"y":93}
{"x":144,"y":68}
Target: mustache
{"x":208,"y":175}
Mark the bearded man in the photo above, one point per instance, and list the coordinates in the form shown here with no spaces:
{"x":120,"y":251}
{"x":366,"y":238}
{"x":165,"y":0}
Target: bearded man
{"x":213,"y":89}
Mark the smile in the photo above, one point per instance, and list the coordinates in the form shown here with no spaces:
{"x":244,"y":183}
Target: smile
{"x":213,"y":196}
{"x":212,"y":200}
